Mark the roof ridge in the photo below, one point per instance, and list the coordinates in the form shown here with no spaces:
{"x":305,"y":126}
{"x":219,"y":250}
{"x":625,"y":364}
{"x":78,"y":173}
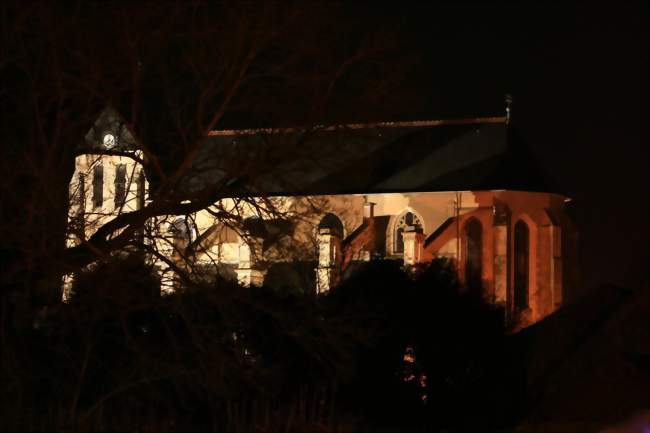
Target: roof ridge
{"x":398,"y":124}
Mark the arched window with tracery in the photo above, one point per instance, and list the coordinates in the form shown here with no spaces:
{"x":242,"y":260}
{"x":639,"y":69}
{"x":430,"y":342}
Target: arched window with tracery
{"x":473,"y":253}
{"x":522,"y":259}
{"x":407,"y":219}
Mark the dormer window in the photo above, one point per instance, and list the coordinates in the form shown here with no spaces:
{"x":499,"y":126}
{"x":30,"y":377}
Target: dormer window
{"x":407,"y":219}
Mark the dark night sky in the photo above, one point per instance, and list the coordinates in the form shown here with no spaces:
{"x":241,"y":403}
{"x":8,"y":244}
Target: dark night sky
{"x":579,"y":78}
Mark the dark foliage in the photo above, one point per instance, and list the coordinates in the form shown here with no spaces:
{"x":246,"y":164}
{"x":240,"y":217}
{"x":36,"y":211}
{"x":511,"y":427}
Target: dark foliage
{"x":387,"y":350}
{"x":457,"y":342}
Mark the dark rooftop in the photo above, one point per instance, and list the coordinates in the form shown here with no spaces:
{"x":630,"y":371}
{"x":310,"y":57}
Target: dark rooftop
{"x":484,"y":153}
{"x":435,"y":155}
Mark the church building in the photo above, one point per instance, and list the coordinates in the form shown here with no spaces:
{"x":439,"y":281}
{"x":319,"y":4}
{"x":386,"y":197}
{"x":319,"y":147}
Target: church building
{"x":463,"y":189}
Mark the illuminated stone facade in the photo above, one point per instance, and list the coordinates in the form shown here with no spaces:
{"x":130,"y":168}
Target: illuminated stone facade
{"x":514,"y":248}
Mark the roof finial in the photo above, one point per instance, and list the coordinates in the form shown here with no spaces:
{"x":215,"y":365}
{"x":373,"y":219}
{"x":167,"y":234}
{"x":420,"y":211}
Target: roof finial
{"x":508,"y":109}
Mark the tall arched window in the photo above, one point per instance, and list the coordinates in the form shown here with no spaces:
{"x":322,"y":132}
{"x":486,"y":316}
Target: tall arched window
{"x":406,"y":220}
{"x":522,"y":254}
{"x":473,"y":255}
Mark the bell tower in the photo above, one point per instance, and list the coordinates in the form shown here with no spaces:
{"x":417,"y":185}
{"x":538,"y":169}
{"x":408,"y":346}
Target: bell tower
{"x":108,"y":178}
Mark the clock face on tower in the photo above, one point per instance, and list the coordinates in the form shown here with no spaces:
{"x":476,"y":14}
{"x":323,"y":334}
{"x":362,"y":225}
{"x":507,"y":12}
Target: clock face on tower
{"x":109,"y":140}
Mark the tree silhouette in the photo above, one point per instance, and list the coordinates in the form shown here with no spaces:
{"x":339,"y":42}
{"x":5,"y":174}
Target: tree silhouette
{"x":174,"y":73}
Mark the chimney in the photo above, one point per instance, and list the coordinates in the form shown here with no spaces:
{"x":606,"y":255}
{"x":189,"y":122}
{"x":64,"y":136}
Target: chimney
{"x":368,"y":210}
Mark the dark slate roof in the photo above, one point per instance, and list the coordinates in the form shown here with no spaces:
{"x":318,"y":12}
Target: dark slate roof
{"x":420,"y":157}
{"x":109,"y":122}
{"x":435,"y":155}
{"x":513,"y":168}
{"x":447,"y":155}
